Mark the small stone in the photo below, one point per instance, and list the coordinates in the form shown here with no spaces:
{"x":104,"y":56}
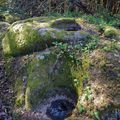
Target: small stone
{"x":41,"y":57}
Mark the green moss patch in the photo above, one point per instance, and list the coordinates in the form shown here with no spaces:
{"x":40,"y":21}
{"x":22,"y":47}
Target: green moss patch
{"x":18,"y":42}
{"x":9,"y":17}
{"x":111,"y":32}
{"x":40,"y":79}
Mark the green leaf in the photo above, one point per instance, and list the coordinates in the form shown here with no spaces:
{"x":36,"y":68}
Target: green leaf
{"x":97,"y":115}
{"x":82,"y":109}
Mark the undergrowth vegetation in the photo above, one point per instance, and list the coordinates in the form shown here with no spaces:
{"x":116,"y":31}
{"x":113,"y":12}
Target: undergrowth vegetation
{"x":104,"y":18}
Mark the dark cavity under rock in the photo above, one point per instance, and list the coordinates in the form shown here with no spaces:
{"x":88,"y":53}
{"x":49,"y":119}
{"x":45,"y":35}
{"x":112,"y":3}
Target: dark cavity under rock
{"x":60,"y":109}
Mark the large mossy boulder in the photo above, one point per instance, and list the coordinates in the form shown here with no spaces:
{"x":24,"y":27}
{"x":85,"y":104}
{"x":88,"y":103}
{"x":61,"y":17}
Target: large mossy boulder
{"x":43,"y":72}
{"x":38,"y":33}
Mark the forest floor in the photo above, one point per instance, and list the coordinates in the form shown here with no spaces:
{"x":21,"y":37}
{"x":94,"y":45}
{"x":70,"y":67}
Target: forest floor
{"x":6,"y":93}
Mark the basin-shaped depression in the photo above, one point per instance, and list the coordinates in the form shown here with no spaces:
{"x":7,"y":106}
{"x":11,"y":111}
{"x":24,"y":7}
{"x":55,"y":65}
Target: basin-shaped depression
{"x":67,"y":25}
{"x":60,"y":109}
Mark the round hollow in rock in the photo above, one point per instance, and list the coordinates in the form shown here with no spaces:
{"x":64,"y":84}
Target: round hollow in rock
{"x":67,"y":25}
{"x":60,"y":109}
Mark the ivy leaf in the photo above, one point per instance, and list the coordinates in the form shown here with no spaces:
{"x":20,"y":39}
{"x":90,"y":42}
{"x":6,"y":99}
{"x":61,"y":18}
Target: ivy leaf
{"x":82,"y":109}
{"x":97,"y":115}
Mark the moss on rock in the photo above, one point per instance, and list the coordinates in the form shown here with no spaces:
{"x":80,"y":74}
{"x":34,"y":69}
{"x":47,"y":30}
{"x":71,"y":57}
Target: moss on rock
{"x":18,"y":41}
{"x":44,"y":77}
{"x":35,"y":34}
{"x":111,"y":32}
{"x":46,"y":73}
{"x":9,"y":17}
